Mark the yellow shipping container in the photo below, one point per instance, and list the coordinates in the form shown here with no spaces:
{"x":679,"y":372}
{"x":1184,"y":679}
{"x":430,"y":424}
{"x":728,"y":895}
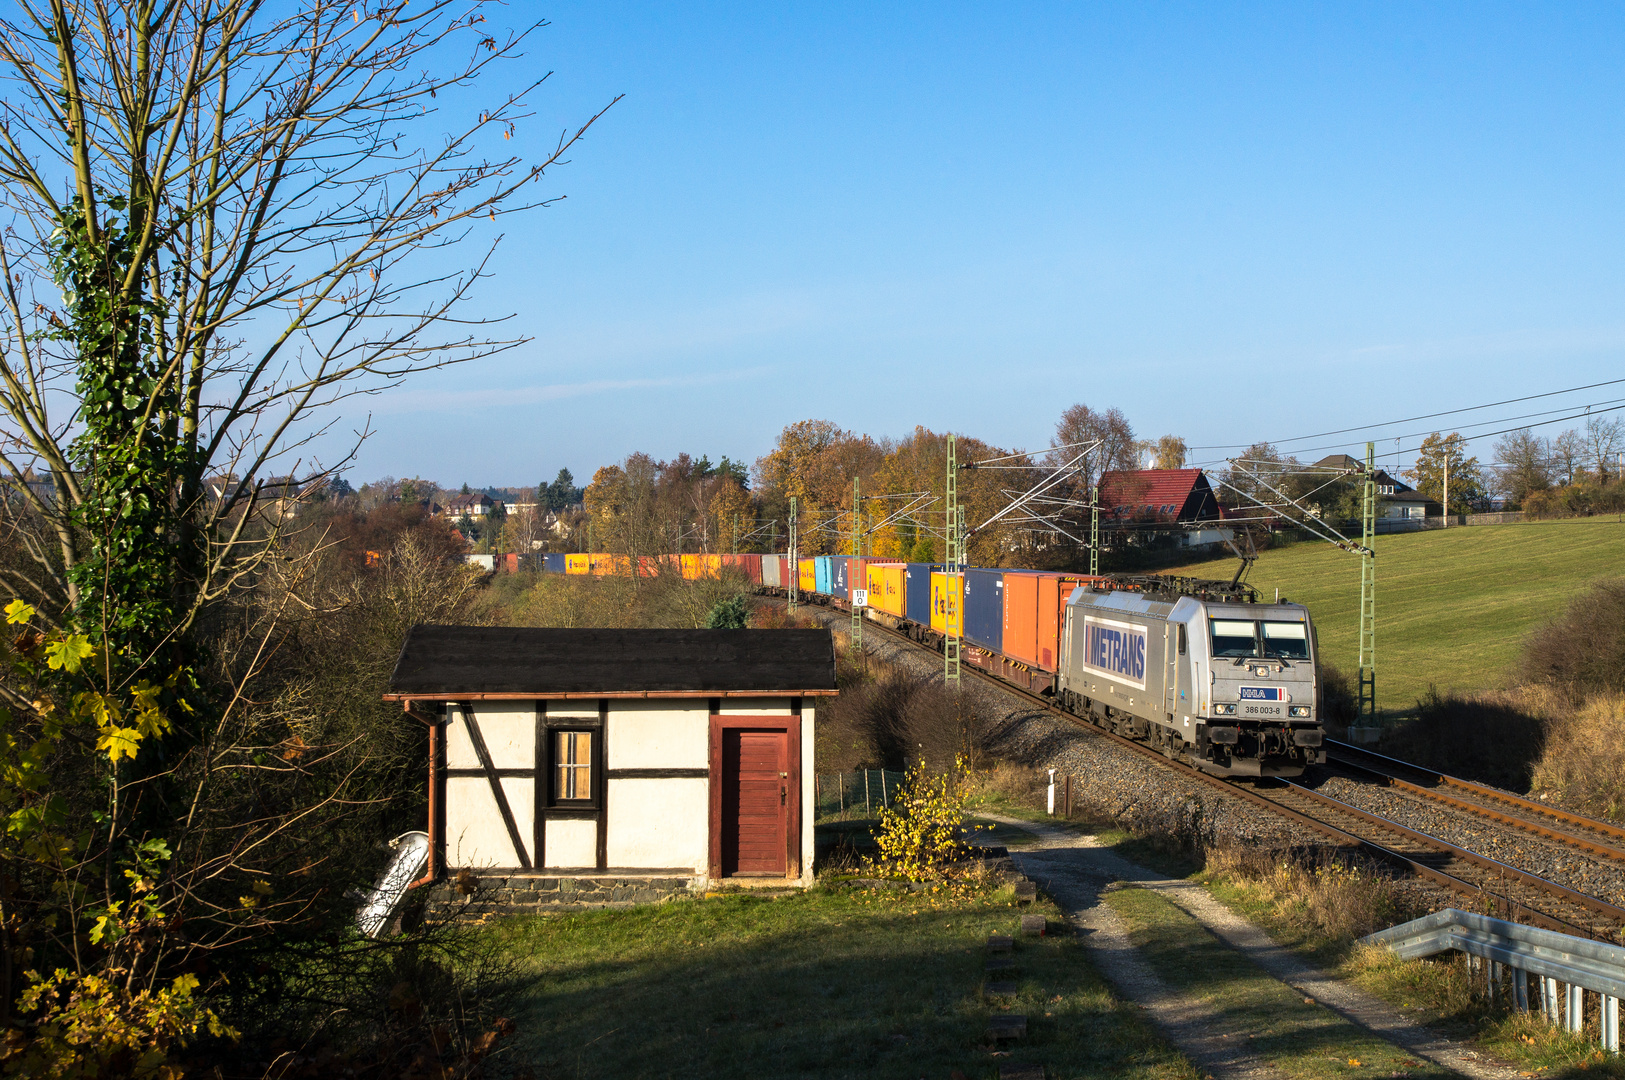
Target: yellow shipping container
{"x":578,"y":564}
{"x":610,"y":564}
{"x":947,"y":591}
{"x":806,"y":577}
{"x":887,"y":590}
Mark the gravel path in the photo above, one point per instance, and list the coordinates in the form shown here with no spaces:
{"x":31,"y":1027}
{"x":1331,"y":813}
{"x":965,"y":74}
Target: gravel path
{"x":1533,"y":854}
{"x":1076,"y":870}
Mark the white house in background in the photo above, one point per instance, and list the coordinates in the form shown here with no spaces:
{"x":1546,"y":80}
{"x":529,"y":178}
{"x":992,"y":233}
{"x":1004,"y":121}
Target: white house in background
{"x":569,"y":753}
{"x":476,"y":504}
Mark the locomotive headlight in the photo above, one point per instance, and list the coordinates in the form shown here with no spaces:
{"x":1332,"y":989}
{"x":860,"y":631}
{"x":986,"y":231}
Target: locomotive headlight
{"x":1298,"y":710}
{"x":1224,"y":710}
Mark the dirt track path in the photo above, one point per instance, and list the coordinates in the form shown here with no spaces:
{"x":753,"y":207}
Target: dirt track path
{"x":1077,"y":872}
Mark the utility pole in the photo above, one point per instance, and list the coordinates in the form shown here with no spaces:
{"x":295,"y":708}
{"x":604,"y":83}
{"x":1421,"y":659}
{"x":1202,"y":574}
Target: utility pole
{"x":1447,"y":483}
{"x":795,"y":563}
{"x":953,"y":519}
{"x":1094,"y":531}
{"x":852,"y":585}
{"x":1368,"y":593}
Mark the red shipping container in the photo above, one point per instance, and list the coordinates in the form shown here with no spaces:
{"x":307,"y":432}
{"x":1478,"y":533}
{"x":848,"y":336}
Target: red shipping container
{"x":1053,"y":592}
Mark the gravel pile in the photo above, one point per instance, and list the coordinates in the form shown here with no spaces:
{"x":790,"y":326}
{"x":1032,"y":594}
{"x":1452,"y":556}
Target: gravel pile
{"x":1529,"y":853}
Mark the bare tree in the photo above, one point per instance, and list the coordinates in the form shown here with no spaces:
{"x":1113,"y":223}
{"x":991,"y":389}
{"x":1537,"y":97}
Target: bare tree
{"x":1525,"y":461}
{"x":249,"y":210}
{"x":1568,"y":455}
{"x":1081,"y":424}
{"x":1604,"y":439}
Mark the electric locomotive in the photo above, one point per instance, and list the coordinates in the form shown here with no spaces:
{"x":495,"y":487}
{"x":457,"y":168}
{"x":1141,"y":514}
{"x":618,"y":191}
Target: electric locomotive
{"x":1227,"y":685}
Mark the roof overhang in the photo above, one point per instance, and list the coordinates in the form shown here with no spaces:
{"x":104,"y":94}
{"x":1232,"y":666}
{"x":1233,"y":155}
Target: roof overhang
{"x":620,"y":694}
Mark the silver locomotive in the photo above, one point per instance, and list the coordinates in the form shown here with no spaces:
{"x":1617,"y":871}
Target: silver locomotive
{"x":1226,"y":685}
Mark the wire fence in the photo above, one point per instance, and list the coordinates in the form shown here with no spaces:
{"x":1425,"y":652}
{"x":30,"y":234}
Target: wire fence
{"x":855,"y":794}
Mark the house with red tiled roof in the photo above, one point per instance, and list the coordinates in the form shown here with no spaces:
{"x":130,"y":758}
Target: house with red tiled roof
{"x":1172,"y":495}
{"x":1182,"y":498}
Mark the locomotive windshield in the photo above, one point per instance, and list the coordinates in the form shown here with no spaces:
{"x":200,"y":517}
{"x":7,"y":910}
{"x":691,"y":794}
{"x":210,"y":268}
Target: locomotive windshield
{"x":1246,"y":638}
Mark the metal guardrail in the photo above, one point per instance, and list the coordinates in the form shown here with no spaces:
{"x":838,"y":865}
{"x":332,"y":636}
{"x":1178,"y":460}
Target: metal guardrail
{"x":1565,"y":967}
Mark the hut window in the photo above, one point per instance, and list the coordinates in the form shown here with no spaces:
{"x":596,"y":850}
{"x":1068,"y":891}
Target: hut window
{"x":572,"y":766}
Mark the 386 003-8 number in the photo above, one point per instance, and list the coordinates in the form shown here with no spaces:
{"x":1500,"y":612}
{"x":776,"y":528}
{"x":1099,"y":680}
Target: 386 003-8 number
{"x":1261,"y":710}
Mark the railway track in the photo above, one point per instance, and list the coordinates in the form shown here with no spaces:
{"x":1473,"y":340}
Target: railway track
{"x":1599,"y":839}
{"x":1507,"y":891}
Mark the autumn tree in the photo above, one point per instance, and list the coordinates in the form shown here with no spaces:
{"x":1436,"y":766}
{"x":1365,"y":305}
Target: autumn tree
{"x":1441,"y":457}
{"x":1169,"y":452}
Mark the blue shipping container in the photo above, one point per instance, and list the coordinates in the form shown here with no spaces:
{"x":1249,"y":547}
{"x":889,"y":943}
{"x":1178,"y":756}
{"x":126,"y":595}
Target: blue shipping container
{"x":984,"y":608}
{"x":823,"y":572}
{"x":553,"y":563}
{"x":917,"y":601}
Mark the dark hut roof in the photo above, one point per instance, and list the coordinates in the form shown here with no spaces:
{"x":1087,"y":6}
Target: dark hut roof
{"x":456,"y":662}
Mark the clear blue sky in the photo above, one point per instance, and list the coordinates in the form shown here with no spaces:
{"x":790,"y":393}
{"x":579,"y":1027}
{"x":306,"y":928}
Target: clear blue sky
{"x":1233,"y":222}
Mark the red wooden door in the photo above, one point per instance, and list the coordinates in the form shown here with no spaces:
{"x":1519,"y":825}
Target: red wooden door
{"x":755,"y":801}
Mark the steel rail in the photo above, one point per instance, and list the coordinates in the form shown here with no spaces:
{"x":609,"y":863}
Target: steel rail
{"x":1478,"y":810}
{"x":1459,"y":885}
{"x":1386,"y":765}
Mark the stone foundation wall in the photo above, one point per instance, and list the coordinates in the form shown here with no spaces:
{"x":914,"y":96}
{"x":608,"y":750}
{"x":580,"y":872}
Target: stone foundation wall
{"x":516,"y":894}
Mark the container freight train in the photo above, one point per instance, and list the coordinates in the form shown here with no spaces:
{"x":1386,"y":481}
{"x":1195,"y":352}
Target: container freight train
{"x":1199,"y":669}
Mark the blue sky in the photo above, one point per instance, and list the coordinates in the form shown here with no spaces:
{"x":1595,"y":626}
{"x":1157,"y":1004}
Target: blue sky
{"x":1233,"y":222}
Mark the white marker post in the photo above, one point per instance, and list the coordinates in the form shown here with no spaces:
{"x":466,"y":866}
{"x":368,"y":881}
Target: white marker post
{"x":1052,"y":793}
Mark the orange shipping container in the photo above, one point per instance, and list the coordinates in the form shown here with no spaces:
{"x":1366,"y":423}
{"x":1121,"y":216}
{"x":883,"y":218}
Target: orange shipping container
{"x":947,"y":592}
{"x":806,"y":575}
{"x":577,"y":564}
{"x":1053,"y":592}
{"x":887,"y":589}
{"x":1020,"y":641}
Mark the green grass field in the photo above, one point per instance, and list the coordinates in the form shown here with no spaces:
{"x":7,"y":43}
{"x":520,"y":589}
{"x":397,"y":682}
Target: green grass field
{"x":1453,"y":606}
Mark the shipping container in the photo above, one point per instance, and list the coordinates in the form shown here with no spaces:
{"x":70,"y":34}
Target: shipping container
{"x":604,"y":563}
{"x":984,"y":609}
{"x":946,"y":594}
{"x":577,"y":564}
{"x":807,"y":575}
{"x":1021,"y":616}
{"x":838,"y":583}
{"x":888,"y":587}
{"x":823,"y":571}
{"x":918,"y":605}
{"x":553,"y":562}
{"x":770,"y":571}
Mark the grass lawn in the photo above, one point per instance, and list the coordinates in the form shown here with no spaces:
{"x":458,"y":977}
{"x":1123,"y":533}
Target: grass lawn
{"x":1453,"y":605}
{"x":828,"y":983}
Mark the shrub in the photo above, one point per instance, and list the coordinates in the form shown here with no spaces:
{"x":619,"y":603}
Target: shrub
{"x":923,"y":831}
{"x":1330,"y":897}
{"x":1582,"y":763}
{"x":1583,"y":649}
{"x":1339,"y":708}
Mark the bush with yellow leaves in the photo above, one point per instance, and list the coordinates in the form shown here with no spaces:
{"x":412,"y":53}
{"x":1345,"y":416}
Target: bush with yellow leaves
{"x":923,"y":832}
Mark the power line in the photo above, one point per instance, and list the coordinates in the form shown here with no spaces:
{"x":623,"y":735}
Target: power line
{"x":1428,"y":416}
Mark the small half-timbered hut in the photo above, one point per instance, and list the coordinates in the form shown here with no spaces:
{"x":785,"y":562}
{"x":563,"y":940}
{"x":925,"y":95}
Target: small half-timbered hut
{"x":581,"y":755}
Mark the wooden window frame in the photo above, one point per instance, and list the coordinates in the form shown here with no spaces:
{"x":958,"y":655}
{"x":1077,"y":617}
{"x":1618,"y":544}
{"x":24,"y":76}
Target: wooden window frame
{"x":791,"y":726}
{"x":550,"y":730}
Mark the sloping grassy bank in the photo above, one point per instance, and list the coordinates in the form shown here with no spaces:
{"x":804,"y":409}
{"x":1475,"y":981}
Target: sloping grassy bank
{"x":1454,"y":606}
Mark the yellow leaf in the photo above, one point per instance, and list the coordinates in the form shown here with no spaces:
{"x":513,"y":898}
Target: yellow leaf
{"x":68,"y":653}
{"x":1355,"y":1062}
{"x":119,"y":742}
{"x":18,"y":612}
{"x":262,"y":887}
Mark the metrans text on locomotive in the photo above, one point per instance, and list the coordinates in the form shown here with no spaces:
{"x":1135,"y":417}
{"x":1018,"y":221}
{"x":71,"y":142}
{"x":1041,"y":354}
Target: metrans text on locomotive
{"x":1199,"y":669}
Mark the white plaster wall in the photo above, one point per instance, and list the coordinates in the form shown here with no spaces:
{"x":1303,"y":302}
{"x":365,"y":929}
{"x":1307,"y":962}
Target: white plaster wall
{"x":475,"y":835}
{"x":808,"y":809}
{"x":509,"y":728}
{"x":659,"y":735}
{"x":572,"y":842}
{"x":659,"y":823}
